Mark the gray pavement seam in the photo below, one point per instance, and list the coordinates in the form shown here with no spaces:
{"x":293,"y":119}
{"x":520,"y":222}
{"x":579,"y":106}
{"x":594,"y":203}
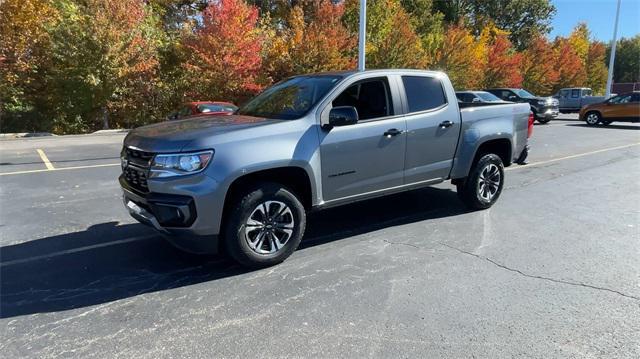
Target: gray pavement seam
{"x":534,"y":276}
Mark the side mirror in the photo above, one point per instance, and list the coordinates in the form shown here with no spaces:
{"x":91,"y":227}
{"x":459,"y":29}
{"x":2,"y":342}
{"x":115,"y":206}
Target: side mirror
{"x":475,"y":100}
{"x":343,"y":116}
{"x":513,"y":98}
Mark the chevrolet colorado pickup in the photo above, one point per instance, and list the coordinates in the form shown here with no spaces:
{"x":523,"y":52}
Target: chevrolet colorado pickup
{"x":243,"y":183}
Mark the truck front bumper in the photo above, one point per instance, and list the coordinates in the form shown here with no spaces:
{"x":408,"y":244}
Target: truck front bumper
{"x":186,"y":212}
{"x":549,"y":112}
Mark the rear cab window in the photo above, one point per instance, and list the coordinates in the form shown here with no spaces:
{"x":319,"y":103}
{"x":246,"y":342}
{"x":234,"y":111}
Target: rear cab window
{"x":423,"y":93}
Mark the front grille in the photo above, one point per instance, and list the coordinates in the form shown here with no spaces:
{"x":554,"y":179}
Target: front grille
{"x":137,"y":169}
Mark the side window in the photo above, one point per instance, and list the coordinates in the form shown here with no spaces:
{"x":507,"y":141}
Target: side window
{"x":575,"y":93}
{"x":424,"y":93}
{"x":564,"y":93}
{"x":185,"y":111}
{"x":625,"y":99}
{"x":504,"y":94}
{"x":371,"y":98}
{"x":635,"y":97}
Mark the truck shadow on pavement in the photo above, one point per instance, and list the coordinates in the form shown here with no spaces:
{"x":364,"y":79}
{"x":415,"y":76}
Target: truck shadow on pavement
{"x":108,"y":262}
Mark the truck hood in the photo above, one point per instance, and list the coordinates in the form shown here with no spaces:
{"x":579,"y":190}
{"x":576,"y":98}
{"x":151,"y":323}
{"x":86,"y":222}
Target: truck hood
{"x":173,"y":136}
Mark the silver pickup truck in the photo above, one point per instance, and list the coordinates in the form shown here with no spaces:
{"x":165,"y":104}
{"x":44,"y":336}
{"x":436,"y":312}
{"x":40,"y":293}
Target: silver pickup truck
{"x":244,"y":183}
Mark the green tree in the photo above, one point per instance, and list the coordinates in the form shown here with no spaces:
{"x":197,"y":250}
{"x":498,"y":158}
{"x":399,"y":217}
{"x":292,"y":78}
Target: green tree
{"x":104,"y":64}
{"x":523,"y":19}
{"x":627,"y":65}
{"x":595,"y":66}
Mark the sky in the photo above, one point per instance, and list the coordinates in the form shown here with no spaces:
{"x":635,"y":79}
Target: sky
{"x":599,"y":16}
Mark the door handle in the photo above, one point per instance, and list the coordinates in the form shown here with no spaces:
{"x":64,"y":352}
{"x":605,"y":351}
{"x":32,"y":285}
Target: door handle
{"x":392,"y":132}
{"x":445,"y":124}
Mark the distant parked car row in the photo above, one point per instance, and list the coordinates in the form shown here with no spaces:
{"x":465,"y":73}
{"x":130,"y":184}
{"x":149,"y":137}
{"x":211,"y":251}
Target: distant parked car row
{"x":544,"y":108}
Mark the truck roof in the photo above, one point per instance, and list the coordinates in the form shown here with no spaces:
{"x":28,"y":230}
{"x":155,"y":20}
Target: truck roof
{"x":346,"y":73}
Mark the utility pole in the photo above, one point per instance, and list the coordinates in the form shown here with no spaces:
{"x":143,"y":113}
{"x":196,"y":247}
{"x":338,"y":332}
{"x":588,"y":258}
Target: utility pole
{"x":362,"y":34}
{"x":612,"y":57}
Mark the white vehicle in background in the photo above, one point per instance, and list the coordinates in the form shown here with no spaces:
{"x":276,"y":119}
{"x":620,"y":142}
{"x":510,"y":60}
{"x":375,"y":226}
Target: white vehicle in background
{"x":574,"y":98}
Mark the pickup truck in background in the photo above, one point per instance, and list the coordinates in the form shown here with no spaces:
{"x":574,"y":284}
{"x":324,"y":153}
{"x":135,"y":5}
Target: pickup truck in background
{"x":575,"y":98}
{"x":243,"y":183}
{"x":544,"y":109}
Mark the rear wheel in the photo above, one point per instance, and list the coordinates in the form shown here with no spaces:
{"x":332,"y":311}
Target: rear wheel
{"x":592,"y":118}
{"x":482,"y":188}
{"x":265,"y":227}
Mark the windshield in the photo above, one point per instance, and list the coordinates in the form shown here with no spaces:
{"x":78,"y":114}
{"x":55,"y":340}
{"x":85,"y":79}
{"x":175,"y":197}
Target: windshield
{"x":523,"y":93}
{"x":488,"y":97}
{"x":290,"y":99}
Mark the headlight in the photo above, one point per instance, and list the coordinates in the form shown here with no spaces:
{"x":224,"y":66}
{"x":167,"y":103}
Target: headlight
{"x":180,"y":164}
{"x":542,"y":102}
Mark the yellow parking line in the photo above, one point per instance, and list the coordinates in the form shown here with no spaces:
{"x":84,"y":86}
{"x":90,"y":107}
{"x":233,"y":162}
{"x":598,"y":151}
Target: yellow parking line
{"x":572,"y":156}
{"x":45,"y":160}
{"x":59,"y":169}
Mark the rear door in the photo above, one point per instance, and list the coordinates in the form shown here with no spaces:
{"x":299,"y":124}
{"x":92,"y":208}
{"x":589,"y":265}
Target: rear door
{"x":369,"y":155}
{"x":433,"y":127}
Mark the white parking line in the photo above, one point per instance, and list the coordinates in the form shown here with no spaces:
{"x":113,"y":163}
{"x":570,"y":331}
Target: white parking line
{"x":76,"y":250}
{"x":532,"y":164}
{"x":59,"y":169}
{"x":45,"y":159}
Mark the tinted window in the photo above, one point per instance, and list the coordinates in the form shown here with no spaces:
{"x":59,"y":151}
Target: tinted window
{"x":564,"y":93}
{"x":524,"y":93}
{"x":423,"y":93}
{"x":635,"y":97}
{"x":620,"y":99}
{"x":290,"y":99}
{"x":370,"y":98}
{"x":186,"y":111}
{"x":575,"y":93}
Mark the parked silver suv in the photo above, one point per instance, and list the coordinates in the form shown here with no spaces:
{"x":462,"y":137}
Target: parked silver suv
{"x":245,"y":182}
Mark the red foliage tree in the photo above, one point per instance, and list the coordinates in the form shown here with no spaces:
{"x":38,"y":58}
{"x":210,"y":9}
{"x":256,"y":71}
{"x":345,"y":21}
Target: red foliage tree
{"x":223,"y":60}
{"x":571,"y":71}
{"x":503,"y":64}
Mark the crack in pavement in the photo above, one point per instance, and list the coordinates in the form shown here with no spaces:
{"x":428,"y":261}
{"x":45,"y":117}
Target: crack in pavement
{"x":560,"y":281}
{"x":402,"y":244}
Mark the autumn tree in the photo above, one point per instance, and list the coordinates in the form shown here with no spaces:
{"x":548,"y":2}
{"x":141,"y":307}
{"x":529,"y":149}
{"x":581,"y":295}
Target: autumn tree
{"x":24,"y":53}
{"x":503,"y":64}
{"x":596,"y":69}
{"x":391,"y":38}
{"x":462,"y":57}
{"x":311,"y":43}
{"x":579,"y":41}
{"x":538,"y":66}
{"x":224,"y":54}
{"x":571,"y":72}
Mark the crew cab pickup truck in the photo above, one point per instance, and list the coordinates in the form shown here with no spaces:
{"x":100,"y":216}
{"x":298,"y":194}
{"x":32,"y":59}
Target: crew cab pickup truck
{"x":574,"y":98}
{"x":243,"y":183}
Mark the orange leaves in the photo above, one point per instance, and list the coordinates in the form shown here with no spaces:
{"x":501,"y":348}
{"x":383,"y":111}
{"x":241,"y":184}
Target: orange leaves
{"x":223,"y":57}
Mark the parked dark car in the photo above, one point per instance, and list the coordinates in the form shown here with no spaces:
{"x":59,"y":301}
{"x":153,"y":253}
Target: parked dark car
{"x":625,"y":108}
{"x":544,"y":109}
{"x":478,"y":97}
{"x":203,"y":108}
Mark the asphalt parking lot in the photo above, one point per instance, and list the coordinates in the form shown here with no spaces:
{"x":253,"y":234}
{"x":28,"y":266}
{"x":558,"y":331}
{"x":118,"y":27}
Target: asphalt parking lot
{"x":551,"y":271}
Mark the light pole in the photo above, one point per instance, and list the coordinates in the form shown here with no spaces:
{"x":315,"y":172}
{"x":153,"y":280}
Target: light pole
{"x":362,"y":34}
{"x":612,"y":57}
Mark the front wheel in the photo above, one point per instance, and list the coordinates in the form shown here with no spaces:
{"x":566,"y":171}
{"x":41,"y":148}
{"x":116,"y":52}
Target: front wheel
{"x":481,"y":189}
{"x":593,"y":118}
{"x":265,"y":227}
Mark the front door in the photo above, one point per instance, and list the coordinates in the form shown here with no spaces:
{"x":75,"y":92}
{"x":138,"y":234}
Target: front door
{"x":369,"y":155}
{"x":617,"y":107}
